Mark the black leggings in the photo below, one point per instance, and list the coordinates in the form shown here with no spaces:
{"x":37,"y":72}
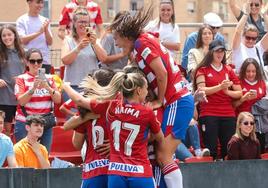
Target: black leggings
{"x":215,"y":128}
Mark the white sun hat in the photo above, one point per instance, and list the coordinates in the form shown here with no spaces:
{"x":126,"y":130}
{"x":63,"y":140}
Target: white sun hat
{"x":213,"y":19}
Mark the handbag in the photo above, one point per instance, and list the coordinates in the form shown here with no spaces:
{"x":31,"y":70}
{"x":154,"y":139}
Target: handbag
{"x":50,"y":119}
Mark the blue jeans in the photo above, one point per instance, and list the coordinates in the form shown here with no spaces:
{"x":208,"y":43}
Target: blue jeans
{"x":192,"y":137}
{"x":20,"y":133}
{"x":182,"y":152}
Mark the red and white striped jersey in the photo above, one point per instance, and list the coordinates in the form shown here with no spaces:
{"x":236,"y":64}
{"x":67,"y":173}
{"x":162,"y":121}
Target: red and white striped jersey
{"x":147,"y":48}
{"x":93,"y":9}
{"x":40,"y":102}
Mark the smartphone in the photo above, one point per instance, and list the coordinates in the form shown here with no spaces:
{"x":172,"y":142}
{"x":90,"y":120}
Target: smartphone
{"x":253,"y":91}
{"x":41,"y":73}
{"x":88,"y":31}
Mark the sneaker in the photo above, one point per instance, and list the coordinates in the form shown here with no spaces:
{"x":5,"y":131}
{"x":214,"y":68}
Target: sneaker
{"x":205,"y":152}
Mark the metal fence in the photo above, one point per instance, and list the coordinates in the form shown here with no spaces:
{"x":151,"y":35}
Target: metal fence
{"x":185,"y":28}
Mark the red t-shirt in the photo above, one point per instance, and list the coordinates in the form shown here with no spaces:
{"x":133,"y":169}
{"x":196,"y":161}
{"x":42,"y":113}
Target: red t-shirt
{"x":129,"y":125}
{"x":147,"y":49}
{"x":93,"y":9}
{"x":259,"y":87}
{"x":96,"y":132}
{"x":219,"y":104}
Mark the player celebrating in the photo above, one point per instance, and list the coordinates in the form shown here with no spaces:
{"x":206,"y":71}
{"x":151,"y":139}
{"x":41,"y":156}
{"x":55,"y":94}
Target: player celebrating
{"x":95,"y":133}
{"x":160,"y":70}
{"x":128,"y":122}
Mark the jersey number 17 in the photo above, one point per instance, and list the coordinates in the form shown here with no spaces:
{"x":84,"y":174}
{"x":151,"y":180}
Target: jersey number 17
{"x":133,"y":129}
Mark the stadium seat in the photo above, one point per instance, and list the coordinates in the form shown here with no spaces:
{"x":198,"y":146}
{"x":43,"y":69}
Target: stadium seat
{"x":62,"y":146}
{"x":198,"y":159}
{"x":264,"y":156}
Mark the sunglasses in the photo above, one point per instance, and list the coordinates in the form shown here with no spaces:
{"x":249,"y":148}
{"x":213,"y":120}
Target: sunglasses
{"x":247,"y":123}
{"x":33,"y":61}
{"x":251,"y":38}
{"x":219,"y":50}
{"x":255,"y":4}
{"x":212,"y":27}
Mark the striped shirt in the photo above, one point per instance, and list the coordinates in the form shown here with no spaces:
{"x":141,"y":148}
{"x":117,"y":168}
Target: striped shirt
{"x":92,"y":7}
{"x":40,"y":102}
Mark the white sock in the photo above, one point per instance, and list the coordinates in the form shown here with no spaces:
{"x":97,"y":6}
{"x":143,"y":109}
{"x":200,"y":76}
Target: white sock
{"x":172,"y":176}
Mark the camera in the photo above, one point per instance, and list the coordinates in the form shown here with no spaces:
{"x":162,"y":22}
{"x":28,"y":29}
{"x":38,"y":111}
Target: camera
{"x":88,"y":31}
{"x":41,"y":73}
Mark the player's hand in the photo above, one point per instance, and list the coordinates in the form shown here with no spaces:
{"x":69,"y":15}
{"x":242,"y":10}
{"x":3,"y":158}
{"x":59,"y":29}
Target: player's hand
{"x":65,"y":84}
{"x":104,"y":149}
{"x":200,"y":96}
{"x":155,"y":104}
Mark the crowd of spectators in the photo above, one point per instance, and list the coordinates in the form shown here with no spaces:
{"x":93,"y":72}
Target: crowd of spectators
{"x":224,"y":114}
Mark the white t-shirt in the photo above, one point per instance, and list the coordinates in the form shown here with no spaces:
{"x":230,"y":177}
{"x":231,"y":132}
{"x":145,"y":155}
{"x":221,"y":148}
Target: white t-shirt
{"x":243,"y":52}
{"x":27,"y":25}
{"x":167,"y":33}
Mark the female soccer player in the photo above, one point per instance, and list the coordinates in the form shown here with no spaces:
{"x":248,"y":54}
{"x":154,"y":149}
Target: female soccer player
{"x":165,"y":79}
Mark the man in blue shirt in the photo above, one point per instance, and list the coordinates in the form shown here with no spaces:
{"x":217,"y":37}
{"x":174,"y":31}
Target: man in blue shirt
{"x":211,"y":19}
{"x":6,"y":146}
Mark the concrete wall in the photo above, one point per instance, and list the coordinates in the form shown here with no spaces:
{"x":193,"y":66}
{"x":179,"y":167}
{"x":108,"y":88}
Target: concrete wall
{"x":228,"y":174}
